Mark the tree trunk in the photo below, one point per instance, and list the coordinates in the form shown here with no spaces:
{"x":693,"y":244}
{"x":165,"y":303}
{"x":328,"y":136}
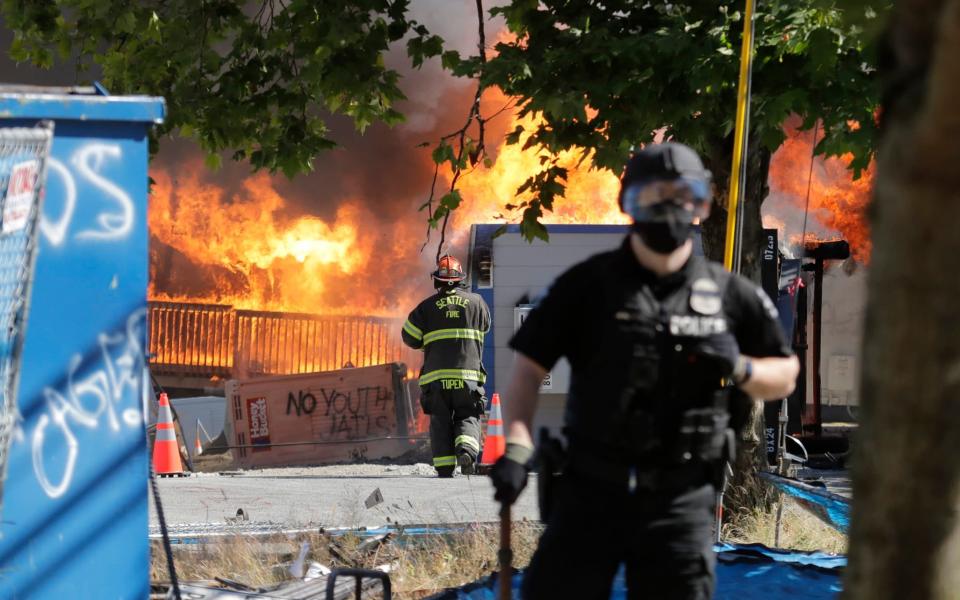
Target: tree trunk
{"x":905,"y":535}
{"x":714,"y":229}
{"x":745,"y":491}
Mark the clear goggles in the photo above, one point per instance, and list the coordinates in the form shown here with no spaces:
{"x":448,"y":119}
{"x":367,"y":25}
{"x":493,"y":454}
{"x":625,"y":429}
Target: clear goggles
{"x":690,"y":194}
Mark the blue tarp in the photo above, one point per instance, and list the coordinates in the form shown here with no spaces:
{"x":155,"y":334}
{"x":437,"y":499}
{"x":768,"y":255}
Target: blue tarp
{"x":747,"y":572}
{"x":830,"y":508}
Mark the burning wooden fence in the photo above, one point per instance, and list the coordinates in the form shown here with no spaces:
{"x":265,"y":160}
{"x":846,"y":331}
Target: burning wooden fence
{"x":217,"y":340}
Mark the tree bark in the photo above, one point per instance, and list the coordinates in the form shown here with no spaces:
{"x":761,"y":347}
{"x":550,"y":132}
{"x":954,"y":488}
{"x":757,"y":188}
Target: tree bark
{"x":714,"y":229}
{"x":745,"y":491}
{"x":905,"y":535}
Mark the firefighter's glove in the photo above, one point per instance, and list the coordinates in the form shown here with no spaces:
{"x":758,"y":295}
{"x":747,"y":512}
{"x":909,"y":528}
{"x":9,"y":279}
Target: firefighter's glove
{"x":509,"y":474}
{"x":721,"y":351}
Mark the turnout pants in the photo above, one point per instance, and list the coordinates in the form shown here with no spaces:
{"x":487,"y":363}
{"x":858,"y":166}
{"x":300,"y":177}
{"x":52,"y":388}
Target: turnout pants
{"x":665,"y":540}
{"x":454,"y":407}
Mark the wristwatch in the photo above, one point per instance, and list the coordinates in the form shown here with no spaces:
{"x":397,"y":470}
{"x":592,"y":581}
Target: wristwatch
{"x":742,"y":371}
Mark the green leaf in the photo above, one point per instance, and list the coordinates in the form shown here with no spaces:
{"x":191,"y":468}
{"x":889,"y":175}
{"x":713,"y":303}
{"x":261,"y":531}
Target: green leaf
{"x":514,"y":136}
{"x":531,"y":228}
{"x":450,"y":60}
{"x":212,"y":161}
{"x":17,"y":50}
{"x":451,"y":200}
{"x":443,"y":153}
{"x":126,"y":22}
{"x":822,"y":50}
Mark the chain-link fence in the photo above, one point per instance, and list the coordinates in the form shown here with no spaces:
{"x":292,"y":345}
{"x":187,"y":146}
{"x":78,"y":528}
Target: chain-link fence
{"x":23,"y":159}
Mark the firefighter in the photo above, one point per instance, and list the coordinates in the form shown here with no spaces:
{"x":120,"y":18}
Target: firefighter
{"x":658,"y":342}
{"x":449,"y":327}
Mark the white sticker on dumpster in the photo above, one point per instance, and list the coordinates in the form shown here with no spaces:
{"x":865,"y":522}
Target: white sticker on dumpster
{"x":20,"y":193}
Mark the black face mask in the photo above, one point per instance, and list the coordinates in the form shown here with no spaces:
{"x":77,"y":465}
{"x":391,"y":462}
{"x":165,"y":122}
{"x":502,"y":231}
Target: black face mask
{"x":667,"y":227}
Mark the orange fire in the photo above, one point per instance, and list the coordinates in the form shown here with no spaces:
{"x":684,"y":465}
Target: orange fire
{"x":590,"y":196}
{"x":255,"y":255}
{"x":773,"y":222}
{"x":249,"y":251}
{"x":836,"y":200}
{"x":259,"y":257}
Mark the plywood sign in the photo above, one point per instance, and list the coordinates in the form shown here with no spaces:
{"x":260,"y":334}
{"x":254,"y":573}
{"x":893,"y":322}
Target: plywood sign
{"x":319,"y":418}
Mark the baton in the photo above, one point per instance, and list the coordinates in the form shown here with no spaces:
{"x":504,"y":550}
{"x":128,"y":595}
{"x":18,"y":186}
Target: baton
{"x":505,"y":555}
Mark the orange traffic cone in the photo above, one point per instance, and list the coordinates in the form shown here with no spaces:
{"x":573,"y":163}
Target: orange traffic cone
{"x":166,"y":452}
{"x":495,"y":443}
{"x":197,"y":446}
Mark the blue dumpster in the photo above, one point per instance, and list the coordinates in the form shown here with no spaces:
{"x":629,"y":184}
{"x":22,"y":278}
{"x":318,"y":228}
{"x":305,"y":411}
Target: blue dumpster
{"x":74,"y":516}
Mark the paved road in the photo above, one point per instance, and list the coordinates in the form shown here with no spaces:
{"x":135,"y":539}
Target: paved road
{"x":334,"y":496}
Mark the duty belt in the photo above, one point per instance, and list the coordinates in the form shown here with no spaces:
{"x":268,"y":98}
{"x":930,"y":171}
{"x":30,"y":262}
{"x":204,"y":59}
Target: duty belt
{"x":670,"y":478}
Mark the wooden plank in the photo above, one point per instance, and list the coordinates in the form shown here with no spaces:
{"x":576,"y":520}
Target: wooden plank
{"x":316,"y":589}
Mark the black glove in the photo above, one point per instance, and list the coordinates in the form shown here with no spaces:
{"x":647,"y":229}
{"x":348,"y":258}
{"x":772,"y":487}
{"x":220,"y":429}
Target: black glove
{"x":722,"y":351}
{"x":509,"y":474}
{"x":425,"y":403}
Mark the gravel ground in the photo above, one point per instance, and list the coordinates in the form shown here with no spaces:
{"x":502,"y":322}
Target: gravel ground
{"x":334,"y":496}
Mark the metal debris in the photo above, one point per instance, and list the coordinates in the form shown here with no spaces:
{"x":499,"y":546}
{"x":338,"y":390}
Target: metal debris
{"x":374,"y":542}
{"x":316,"y":570}
{"x":193,"y":532}
{"x":241,"y":517}
{"x":373,"y":499}
{"x":296,"y":569}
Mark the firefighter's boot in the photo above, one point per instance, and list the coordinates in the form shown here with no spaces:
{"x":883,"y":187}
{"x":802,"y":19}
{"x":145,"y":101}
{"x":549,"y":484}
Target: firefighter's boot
{"x":466,"y":461}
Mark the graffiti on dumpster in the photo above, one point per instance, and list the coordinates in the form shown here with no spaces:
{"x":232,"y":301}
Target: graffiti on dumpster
{"x":114,"y":222}
{"x":344,"y":414}
{"x":108,"y":395}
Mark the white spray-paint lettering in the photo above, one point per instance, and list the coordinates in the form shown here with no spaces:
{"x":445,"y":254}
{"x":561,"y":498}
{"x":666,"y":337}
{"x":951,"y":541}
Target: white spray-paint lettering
{"x":56,"y":232}
{"x":92,"y":401}
{"x":116,"y":225}
{"x":113,"y":224}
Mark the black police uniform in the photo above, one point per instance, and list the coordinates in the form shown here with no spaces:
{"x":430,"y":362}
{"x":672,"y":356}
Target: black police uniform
{"x":646,"y":421}
{"x":450,"y":326}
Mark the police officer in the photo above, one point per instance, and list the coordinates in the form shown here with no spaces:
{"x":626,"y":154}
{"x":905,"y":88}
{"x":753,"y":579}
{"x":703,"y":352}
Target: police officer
{"x":650,"y":332}
{"x":449,"y":327}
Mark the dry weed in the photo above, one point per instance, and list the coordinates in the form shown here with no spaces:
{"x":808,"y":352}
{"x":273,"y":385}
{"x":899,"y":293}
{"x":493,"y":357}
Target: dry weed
{"x":441,"y":562}
{"x":423,"y":565}
{"x":418,"y":565}
{"x":799,"y":530}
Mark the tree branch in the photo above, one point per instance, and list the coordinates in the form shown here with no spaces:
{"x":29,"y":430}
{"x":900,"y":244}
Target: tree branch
{"x":474,"y":154}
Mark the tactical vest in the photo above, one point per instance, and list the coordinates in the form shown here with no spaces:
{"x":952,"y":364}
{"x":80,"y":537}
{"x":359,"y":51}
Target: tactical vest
{"x":644,"y":396}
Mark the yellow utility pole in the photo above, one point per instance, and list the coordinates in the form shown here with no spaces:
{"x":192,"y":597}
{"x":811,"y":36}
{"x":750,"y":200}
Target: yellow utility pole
{"x":738,"y":172}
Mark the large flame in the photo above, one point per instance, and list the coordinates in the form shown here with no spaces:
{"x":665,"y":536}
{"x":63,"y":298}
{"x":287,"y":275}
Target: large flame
{"x":253,"y":253}
{"x":256,"y":256}
{"x":590,"y":196}
{"x":836,"y":200}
